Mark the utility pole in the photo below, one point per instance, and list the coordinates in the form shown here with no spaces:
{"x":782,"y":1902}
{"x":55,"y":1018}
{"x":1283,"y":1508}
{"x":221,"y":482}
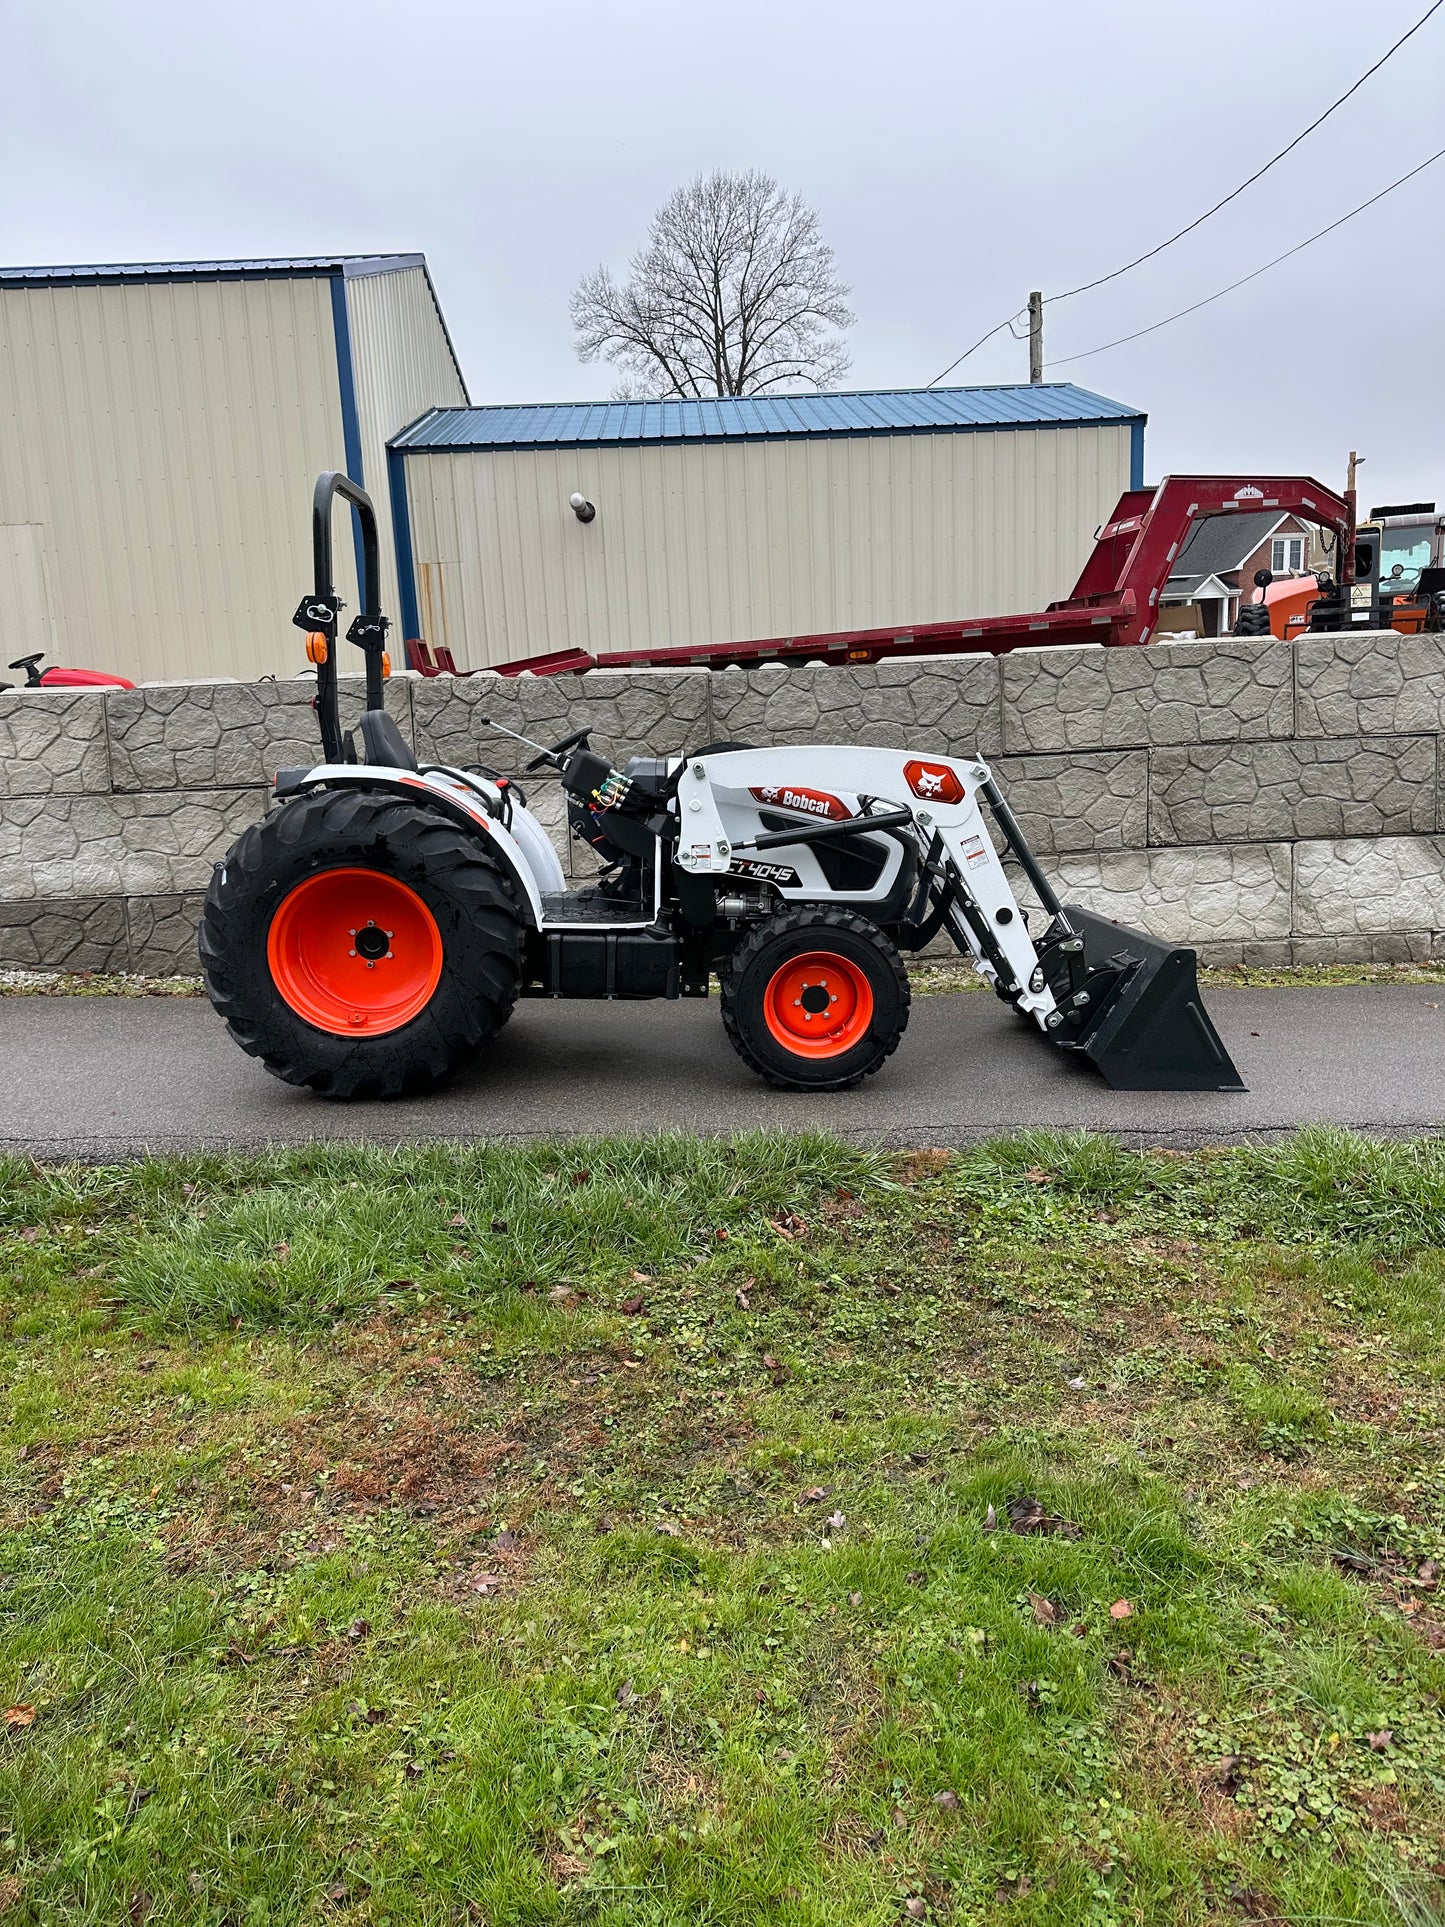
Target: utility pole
{"x":1345,"y":572}
{"x":1036,"y":337}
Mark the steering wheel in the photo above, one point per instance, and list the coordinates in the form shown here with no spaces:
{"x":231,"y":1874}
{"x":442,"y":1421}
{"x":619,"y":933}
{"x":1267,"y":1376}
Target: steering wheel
{"x":27,"y":663}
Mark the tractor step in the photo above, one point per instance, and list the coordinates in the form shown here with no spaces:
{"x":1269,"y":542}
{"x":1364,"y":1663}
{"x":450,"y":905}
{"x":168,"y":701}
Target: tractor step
{"x":569,"y":908}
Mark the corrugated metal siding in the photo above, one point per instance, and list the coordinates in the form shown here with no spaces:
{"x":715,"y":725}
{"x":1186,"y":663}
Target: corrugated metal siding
{"x":402,"y":364}
{"x":166,"y":435}
{"x":25,"y":615}
{"x":865,"y":412}
{"x":712,"y":542}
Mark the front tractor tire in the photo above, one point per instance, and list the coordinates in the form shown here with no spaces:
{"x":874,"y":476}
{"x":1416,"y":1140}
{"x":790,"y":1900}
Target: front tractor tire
{"x":360,"y":945}
{"x":815,"y":1000}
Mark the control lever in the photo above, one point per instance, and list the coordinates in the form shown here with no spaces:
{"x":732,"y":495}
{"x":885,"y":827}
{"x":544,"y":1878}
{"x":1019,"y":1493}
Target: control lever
{"x":553,"y":755}
{"x":558,"y":751}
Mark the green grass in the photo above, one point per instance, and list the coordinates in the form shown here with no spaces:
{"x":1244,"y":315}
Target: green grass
{"x":93,"y":983}
{"x":620,"y":1533}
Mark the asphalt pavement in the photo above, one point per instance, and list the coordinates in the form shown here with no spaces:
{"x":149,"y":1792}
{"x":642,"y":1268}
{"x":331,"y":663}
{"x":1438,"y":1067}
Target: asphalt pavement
{"x":99,"y":1077}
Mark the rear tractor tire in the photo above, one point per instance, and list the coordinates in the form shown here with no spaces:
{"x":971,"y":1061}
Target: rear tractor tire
{"x":815,"y":1000}
{"x":360,"y":945}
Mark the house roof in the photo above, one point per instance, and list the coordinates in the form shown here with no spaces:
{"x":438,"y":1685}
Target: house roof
{"x":1225,"y":542}
{"x":890,"y":411}
{"x":1179,"y":588}
{"x":282,"y":267}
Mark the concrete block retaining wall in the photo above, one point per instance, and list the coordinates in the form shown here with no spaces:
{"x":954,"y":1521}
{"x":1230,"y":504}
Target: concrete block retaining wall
{"x":1269,"y":803}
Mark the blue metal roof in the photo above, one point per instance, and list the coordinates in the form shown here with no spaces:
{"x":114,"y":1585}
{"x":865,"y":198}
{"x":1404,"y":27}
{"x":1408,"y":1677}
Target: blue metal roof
{"x":283,"y":267}
{"x":886,"y":411}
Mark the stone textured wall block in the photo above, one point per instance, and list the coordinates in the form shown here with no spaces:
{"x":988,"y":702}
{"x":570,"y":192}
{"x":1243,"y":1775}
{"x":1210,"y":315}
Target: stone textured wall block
{"x":82,"y":846}
{"x":52,"y":742}
{"x":81,"y":934}
{"x":1396,"y":947}
{"x":1370,"y":887}
{"x":1370,"y":683}
{"x":1257,"y":792}
{"x":642,"y":712}
{"x":1224,"y":690}
{"x":1197,"y":896}
{"x":162,"y":934}
{"x":227,"y":735}
{"x":943,"y":703}
{"x":1082,"y":802}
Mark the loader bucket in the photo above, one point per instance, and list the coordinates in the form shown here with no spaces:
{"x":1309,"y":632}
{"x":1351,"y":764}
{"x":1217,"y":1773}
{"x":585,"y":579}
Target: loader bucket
{"x":1143,"y":1025}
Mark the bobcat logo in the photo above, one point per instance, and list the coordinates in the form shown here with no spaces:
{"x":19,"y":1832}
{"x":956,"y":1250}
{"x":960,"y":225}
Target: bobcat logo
{"x":933,"y":782}
{"x":793,"y":796}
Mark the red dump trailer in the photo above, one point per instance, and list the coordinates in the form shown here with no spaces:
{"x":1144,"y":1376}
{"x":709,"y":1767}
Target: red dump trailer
{"x":1115,"y":600}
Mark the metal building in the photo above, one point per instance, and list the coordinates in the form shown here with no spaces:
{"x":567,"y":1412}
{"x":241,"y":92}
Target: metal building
{"x":750,"y":518}
{"x":160,"y":431}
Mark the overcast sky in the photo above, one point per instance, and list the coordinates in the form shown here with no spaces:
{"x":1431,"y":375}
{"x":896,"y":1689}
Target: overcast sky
{"x":958,"y":155}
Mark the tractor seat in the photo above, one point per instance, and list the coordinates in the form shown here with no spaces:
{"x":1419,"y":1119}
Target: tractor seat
{"x":385,"y":743}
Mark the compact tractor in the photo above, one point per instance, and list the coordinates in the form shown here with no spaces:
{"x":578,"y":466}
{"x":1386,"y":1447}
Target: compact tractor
{"x":377,"y":927}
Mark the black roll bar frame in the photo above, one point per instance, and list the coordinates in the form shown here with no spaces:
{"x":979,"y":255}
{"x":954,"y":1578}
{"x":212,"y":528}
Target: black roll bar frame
{"x":319,"y":613}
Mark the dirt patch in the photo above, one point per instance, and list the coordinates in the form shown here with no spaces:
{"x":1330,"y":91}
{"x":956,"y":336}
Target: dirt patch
{"x":682,"y":1783}
{"x":912,"y":1167}
{"x":422,"y":1461}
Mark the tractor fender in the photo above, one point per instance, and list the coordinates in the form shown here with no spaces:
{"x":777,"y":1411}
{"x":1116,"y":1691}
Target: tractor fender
{"x":451,"y":801}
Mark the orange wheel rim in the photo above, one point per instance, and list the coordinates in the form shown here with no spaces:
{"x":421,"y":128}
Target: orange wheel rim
{"x":354,"y":952}
{"x":818,"y":1005}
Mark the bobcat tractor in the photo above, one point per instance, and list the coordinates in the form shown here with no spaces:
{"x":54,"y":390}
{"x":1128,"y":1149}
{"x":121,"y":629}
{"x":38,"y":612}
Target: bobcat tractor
{"x":376,"y":928}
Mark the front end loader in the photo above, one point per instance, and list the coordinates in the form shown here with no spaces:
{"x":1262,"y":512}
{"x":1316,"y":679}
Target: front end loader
{"x":378,"y":926}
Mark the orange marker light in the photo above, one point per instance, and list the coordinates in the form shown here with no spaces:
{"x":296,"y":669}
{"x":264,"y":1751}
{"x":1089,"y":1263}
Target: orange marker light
{"x":385,"y":663}
{"x":316,"y":650}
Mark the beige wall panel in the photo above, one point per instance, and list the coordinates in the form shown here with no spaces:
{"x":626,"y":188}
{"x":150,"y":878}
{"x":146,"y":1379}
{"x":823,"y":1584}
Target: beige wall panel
{"x":736,"y":541}
{"x":402,"y":365}
{"x":168,"y":435}
{"x":26,"y":622}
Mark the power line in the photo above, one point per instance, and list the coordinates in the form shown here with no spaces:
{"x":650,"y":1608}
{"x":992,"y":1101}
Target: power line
{"x":1084,"y":286}
{"x":1007,"y":323}
{"x":1296,"y":249}
{"x":1259,"y":174}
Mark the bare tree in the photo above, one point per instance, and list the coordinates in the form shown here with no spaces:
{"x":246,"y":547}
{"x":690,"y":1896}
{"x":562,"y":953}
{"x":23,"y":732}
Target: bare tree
{"x":735,"y":293}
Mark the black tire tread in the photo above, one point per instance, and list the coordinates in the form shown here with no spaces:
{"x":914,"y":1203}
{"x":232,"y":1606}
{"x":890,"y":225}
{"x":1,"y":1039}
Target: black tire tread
{"x":328,"y":829}
{"x":817,"y":923}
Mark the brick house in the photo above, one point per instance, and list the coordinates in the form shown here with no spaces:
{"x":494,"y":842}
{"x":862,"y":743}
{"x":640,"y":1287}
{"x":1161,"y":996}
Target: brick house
{"x":1216,"y":567}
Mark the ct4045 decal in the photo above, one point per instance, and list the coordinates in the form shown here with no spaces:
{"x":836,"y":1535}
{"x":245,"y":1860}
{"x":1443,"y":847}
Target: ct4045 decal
{"x":779,"y":873}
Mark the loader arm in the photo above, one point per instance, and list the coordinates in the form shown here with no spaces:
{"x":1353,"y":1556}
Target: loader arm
{"x":1127,"y":1002}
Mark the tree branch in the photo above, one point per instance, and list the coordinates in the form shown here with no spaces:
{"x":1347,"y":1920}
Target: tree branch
{"x":734,"y":292}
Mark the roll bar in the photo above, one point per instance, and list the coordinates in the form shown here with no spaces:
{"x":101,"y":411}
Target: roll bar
{"x":319,"y":613}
